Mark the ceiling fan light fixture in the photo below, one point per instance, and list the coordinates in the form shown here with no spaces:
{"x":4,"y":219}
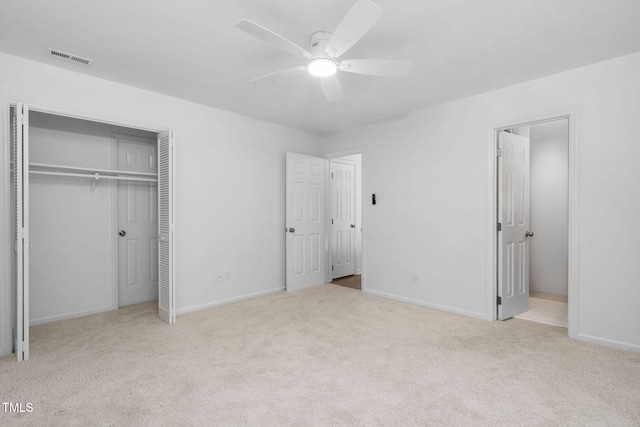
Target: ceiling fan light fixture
{"x":322,"y":67}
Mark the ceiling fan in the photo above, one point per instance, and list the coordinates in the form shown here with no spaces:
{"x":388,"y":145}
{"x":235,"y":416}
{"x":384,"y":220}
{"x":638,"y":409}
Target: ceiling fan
{"x":326,"y":48}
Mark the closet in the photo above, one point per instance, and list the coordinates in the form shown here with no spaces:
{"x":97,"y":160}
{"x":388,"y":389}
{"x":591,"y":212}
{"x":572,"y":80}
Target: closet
{"x":92,"y":208}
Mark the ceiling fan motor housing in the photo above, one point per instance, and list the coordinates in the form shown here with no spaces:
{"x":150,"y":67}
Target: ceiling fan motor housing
{"x":319,"y":41}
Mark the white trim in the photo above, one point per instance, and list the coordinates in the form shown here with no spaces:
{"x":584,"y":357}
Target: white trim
{"x":48,"y":319}
{"x":343,"y":153}
{"x":573,"y":214}
{"x":609,"y":343}
{"x":343,"y":161}
{"x":104,"y":119}
{"x":446,"y":308}
{"x":6,"y":293}
{"x":199,"y":307}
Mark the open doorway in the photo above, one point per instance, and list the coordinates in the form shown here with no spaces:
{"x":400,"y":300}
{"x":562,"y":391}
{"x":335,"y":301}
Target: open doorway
{"x":345,"y":221}
{"x":93,"y":239}
{"x":495,"y":275}
{"x":323,"y":220}
{"x":64,"y":217}
{"x":544,"y":244}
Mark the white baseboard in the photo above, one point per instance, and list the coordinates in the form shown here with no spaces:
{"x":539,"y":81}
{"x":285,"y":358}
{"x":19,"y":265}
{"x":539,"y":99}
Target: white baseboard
{"x":475,"y":315}
{"x":228,"y":300}
{"x":48,"y":319}
{"x":609,"y":343}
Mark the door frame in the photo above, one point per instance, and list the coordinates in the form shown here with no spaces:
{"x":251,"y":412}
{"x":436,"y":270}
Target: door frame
{"x":333,"y":155}
{"x":492,"y":211}
{"x":7,"y":311}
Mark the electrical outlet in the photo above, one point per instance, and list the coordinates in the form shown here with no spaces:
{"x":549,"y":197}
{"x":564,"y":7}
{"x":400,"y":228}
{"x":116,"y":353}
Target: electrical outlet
{"x":219,"y":277}
{"x":227,"y":275}
{"x":416,"y":278}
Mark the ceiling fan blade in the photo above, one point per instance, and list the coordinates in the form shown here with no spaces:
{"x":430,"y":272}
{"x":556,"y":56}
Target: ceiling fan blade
{"x":355,"y":24}
{"x":272,"y":38}
{"x":332,"y":88}
{"x":285,"y":72}
{"x":376,"y":67}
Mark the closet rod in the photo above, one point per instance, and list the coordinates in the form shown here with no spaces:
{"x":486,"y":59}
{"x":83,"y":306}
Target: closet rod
{"x":95,"y":176}
{"x":100,"y":171}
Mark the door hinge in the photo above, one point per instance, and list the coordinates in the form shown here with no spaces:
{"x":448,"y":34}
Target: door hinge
{"x":499,"y":226}
{"x":332,"y":268}
{"x":331,"y":220}
{"x":499,"y":300}
{"x":499,"y":152}
{"x":331,"y":174}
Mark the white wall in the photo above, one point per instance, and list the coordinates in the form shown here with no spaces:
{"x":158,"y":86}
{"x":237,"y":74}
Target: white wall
{"x":429,"y":171}
{"x":549,"y":181}
{"x":230,"y":173}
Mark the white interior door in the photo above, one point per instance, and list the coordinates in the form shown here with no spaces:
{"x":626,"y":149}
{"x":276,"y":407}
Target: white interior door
{"x":513,"y":217}
{"x":343,"y":224}
{"x":20,"y":142}
{"x":137,"y":223}
{"x":304,"y":221}
{"x":166,"y":228}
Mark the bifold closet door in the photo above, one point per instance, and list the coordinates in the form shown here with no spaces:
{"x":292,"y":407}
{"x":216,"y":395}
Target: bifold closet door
{"x":166,"y":244}
{"x":20,"y":147}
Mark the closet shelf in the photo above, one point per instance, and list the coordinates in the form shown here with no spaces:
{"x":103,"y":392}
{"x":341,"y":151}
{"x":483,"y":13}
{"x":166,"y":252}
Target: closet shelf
{"x":94,"y":174}
{"x":88,"y":172}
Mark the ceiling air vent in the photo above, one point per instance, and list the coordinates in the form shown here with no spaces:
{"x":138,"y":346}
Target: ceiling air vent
{"x":70,"y":57}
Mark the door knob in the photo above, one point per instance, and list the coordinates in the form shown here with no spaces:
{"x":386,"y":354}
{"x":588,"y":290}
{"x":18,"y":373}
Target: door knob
{"x":122,"y":233}
{"x":528,"y":234}
{"x":292,"y":230}
{"x":353,"y":226}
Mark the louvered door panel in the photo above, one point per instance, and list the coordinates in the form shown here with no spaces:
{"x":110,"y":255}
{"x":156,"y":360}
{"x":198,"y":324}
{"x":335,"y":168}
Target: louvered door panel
{"x":20,"y":137}
{"x":166,"y":291}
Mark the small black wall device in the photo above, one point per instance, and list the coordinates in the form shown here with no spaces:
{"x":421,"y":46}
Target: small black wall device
{"x":373,"y":199}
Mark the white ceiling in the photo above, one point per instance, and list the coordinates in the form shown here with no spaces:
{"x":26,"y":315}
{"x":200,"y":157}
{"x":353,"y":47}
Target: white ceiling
{"x":192,"y":50}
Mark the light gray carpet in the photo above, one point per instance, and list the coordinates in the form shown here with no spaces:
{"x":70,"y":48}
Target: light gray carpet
{"x":328,"y":355}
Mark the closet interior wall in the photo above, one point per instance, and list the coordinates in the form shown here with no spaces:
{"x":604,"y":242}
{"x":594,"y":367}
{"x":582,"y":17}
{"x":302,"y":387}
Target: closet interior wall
{"x":73,"y":257}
